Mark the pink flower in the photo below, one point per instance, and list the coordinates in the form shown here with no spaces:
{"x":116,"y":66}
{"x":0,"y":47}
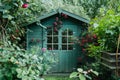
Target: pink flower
{"x":43,"y":49}
{"x":94,"y":36}
{"x":25,"y":5}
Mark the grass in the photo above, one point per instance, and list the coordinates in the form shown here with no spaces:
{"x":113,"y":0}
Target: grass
{"x":57,"y":78}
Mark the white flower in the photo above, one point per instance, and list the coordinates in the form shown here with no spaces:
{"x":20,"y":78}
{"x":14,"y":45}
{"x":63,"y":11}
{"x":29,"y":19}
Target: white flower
{"x":95,"y":25}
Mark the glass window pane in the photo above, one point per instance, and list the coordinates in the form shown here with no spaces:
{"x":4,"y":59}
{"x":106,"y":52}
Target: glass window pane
{"x":64,"y":40}
{"x":49,"y":47}
{"x":64,"y":47}
{"x":49,"y":32}
{"x":70,"y":32}
{"x":70,"y":39}
{"x":49,"y":39}
{"x":55,"y":32}
{"x":55,"y":39}
{"x":55,"y":47}
{"x":64,"y":32}
{"x":70,"y":47}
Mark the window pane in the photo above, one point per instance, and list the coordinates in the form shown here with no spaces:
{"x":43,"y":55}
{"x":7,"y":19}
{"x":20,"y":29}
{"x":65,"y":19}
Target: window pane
{"x":49,"y":39}
{"x":64,"y":40}
{"x":49,"y":32}
{"x":55,"y":47}
{"x":55,"y":32}
{"x":55,"y":39}
{"x":70,"y":47}
{"x":70,"y":32}
{"x":70,"y":39}
{"x":49,"y":47}
{"x":64,"y":47}
{"x":64,"y":32}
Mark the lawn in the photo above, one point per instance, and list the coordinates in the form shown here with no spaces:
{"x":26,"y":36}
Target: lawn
{"x":57,"y":78}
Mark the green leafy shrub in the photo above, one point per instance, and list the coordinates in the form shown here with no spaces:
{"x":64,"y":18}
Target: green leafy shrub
{"x":106,"y":27}
{"x":24,"y":65}
{"x":83,"y":75}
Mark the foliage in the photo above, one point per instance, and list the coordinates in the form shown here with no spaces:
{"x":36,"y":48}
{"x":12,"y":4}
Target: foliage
{"x":82,"y":75}
{"x":14,"y":14}
{"x":86,"y":39}
{"x":25,"y":65}
{"x":107,"y":29}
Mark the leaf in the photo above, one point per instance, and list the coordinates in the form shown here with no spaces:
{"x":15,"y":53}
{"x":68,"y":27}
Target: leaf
{"x":18,"y":70}
{"x":7,"y":16}
{"x":82,"y":77}
{"x":95,"y":72}
{"x":16,"y":4}
{"x":87,"y":76}
{"x":80,"y":70}
{"x":13,"y":22}
{"x":109,"y":32}
{"x":73,"y":74}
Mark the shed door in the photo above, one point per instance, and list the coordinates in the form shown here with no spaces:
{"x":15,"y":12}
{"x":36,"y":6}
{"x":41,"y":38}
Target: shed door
{"x":62,"y":45}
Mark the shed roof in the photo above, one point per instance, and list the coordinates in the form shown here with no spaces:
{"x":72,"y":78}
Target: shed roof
{"x":59,"y":11}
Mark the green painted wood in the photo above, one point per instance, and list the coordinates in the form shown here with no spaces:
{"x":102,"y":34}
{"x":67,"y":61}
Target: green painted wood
{"x":67,"y":59}
{"x":34,"y":32}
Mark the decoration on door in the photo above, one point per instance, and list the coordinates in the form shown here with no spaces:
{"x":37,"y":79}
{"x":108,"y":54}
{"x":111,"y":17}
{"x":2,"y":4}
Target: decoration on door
{"x":58,"y":23}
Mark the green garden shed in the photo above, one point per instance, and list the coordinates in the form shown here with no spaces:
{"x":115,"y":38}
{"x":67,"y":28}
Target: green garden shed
{"x":57,"y":31}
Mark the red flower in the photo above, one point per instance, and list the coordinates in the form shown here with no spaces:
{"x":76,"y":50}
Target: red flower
{"x":55,"y":29}
{"x":94,"y":36}
{"x":65,"y":16}
{"x":25,"y":5}
{"x":17,"y":31}
{"x":84,"y":40}
{"x":62,"y":14}
{"x":83,"y":50}
{"x":55,"y":23}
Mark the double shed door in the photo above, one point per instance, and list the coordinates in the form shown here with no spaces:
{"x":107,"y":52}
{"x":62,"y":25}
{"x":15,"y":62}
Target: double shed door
{"x":62,"y":44}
